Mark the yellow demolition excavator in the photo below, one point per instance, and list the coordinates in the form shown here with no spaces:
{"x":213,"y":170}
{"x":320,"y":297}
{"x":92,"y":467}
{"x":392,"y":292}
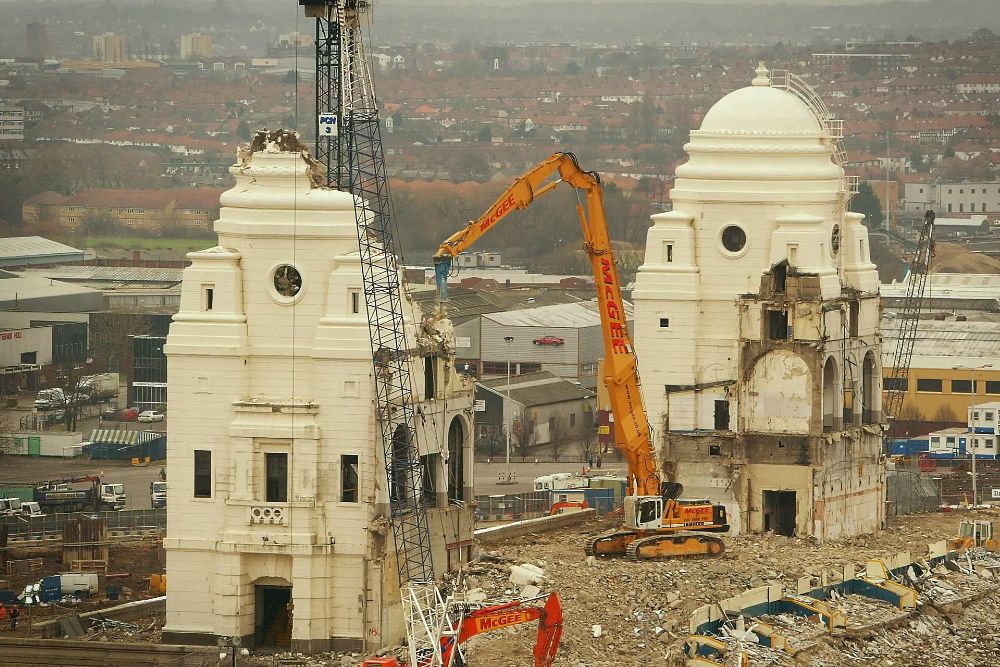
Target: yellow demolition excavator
{"x":657,"y":523}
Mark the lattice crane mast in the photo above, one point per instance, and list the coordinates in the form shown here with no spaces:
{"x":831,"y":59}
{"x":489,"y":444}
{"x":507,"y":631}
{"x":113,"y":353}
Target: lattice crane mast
{"x":349,"y":144}
{"x":908,"y":317}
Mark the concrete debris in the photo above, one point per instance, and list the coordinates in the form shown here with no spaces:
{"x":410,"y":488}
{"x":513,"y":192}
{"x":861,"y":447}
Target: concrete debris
{"x":643,"y":609}
{"x":526,"y":573}
{"x":596,"y":631}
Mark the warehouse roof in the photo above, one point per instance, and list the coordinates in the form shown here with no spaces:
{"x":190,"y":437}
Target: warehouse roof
{"x":946,"y":344}
{"x":18,"y":250}
{"x":542,"y":388}
{"x":563,"y":315}
{"x":110,"y":277}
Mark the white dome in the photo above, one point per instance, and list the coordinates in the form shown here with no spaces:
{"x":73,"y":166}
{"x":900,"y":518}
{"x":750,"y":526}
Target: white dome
{"x":761,"y":108}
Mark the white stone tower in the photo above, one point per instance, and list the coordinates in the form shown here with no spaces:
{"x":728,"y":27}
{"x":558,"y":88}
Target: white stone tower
{"x":756,"y":320}
{"x":277,"y":494}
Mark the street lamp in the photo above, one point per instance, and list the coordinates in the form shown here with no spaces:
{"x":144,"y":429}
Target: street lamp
{"x":508,"y":422}
{"x":972,"y":425}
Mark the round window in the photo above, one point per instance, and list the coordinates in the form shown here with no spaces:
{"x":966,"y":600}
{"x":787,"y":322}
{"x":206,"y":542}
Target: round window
{"x":835,"y":240}
{"x":734,"y":238}
{"x":287,"y":280}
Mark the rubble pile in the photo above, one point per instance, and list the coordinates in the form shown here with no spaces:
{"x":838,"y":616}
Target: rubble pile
{"x":110,"y":630}
{"x":643,"y":608}
{"x":801,"y":633}
{"x":929,"y":638}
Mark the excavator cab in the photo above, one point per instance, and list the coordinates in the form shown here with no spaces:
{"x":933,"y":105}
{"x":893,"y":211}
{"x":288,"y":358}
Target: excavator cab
{"x":643,"y":512}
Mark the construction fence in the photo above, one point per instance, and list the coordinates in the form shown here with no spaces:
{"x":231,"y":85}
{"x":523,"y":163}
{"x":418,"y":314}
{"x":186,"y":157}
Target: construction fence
{"x":126,"y":523}
{"x":909,"y":490}
{"x":534,"y":504}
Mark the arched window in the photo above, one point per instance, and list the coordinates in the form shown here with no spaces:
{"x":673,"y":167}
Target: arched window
{"x":870,"y":410}
{"x":456,"y":461}
{"x":829,"y":394}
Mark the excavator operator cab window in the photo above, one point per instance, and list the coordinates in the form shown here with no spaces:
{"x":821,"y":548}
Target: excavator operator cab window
{"x":650,"y":511}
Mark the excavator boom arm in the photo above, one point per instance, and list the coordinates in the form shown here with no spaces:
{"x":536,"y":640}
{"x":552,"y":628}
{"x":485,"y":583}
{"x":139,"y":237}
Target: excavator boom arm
{"x":501,"y":616}
{"x":632,"y":433}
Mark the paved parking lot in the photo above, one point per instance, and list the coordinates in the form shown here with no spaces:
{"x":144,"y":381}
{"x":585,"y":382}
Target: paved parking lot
{"x":30,"y":469}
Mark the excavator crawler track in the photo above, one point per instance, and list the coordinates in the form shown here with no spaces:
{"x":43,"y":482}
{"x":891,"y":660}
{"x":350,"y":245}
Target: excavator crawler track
{"x":609,"y":544}
{"x":677,"y":545}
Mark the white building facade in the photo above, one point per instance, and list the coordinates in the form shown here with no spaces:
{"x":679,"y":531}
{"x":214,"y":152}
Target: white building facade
{"x":757,"y":318}
{"x":276,"y":526}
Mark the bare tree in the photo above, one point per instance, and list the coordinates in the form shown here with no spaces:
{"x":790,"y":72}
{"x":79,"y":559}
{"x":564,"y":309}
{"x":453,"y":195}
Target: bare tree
{"x":109,"y":335}
{"x":945,"y":413}
{"x":522,"y":433}
{"x":559,"y":435}
{"x":910,"y":412}
{"x":8,"y":444}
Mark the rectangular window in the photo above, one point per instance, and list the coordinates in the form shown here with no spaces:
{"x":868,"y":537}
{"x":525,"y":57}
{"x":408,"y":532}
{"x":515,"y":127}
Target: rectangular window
{"x":355,"y":301}
{"x":989,"y":416}
{"x":949,"y":208}
{"x":777,"y":325}
{"x":572,"y":419}
{"x":276,"y":477}
{"x":202,"y":473}
{"x":722,"y":415}
{"x":993,"y":386}
{"x":664,"y":322}
{"x":349,"y":478}
{"x":668,"y":252}
{"x":430,"y":363}
{"x":961,"y":386}
{"x":208,"y":298}
{"x":928,"y":384}
{"x":975,"y":416}
{"x":988,"y":443}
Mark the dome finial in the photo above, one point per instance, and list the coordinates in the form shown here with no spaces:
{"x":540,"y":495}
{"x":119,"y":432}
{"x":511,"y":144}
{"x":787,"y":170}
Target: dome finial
{"x":763,"y":75}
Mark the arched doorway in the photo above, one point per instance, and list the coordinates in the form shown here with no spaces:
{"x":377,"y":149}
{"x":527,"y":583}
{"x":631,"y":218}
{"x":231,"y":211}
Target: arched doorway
{"x":272,"y":613}
{"x":456,"y":461}
{"x":869,"y":390}
{"x":829,"y":394}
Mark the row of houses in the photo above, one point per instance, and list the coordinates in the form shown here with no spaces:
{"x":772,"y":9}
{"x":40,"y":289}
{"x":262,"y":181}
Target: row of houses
{"x":156,"y":210}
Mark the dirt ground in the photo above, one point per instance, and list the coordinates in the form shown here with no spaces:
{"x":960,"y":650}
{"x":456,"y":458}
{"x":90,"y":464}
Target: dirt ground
{"x":644,"y":608}
{"x":130,"y":566}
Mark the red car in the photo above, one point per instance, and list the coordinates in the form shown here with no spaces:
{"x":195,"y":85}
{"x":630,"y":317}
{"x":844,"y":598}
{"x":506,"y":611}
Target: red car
{"x":549,"y":340}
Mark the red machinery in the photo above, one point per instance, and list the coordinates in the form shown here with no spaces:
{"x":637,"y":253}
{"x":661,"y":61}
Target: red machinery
{"x":496,"y":617}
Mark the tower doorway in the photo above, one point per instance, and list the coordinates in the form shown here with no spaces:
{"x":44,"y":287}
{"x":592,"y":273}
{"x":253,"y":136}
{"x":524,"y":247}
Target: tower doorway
{"x":272,"y":616}
{"x":779,"y":512}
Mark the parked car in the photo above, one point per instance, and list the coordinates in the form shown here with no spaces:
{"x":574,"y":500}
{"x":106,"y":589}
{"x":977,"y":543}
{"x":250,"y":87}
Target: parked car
{"x":549,"y":340}
{"x":123,"y":415}
{"x":148,"y":416}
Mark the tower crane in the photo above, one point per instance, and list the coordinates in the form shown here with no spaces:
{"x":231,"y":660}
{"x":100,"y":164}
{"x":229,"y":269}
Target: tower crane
{"x":349,"y":145}
{"x":908,"y":317}
{"x":654,"y":515}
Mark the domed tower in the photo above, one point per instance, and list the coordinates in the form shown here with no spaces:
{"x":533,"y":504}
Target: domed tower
{"x":756,"y":315}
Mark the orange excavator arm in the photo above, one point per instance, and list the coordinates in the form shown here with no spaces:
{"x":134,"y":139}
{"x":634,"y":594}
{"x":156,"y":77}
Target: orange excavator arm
{"x":621,"y":377}
{"x":549,"y":616}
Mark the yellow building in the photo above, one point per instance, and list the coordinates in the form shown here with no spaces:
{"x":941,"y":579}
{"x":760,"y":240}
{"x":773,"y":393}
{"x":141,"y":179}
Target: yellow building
{"x":109,"y":48}
{"x":165,"y":211}
{"x":196,"y":46}
{"x":947,"y":356}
